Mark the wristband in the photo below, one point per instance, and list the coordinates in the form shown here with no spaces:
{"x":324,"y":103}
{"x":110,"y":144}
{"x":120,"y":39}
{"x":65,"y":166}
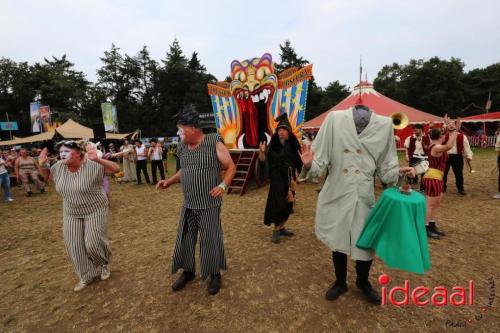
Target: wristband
{"x":223,"y":186}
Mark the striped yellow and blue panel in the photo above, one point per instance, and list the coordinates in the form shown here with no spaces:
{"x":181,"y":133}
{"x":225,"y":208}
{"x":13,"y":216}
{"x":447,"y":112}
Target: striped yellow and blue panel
{"x":291,"y":101}
{"x":225,"y":111}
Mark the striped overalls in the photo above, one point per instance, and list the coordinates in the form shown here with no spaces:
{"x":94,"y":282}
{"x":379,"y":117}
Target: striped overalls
{"x":200,"y":173}
{"x":85,"y":210}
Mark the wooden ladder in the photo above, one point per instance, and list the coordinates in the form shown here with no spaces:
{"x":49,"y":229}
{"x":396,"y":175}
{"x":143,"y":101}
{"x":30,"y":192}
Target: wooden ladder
{"x":245,"y":165}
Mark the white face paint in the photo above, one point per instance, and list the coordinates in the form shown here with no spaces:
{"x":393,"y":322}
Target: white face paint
{"x":65,"y":154}
{"x":181,"y":134}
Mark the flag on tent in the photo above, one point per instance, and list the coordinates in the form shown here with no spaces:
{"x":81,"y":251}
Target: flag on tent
{"x":35,"y":117}
{"x":109,"y":117}
{"x":45,"y":118}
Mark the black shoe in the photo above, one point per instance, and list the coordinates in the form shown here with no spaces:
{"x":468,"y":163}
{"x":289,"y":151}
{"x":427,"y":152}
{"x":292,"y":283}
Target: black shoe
{"x":433,"y":227}
{"x":214,"y":285}
{"x":371,"y":295}
{"x":286,"y":233}
{"x":29,"y":194}
{"x":276,"y":237}
{"x":42,"y":190}
{"x":462,"y":192}
{"x":335,"y":291}
{"x":182,"y":281}
{"x":431,"y":234}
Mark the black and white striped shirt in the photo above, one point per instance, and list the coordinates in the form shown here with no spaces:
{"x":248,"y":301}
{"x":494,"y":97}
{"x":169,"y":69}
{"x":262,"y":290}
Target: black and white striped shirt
{"x":200,"y":172}
{"x":82,"y":191}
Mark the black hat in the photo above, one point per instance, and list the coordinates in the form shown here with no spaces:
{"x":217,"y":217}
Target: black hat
{"x":188,"y":116}
{"x":283,"y":122}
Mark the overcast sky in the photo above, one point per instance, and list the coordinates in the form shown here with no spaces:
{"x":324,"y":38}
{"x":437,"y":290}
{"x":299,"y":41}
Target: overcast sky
{"x":331,"y":34}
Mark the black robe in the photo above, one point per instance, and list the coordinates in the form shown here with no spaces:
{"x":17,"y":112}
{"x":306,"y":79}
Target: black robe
{"x":282,"y":162}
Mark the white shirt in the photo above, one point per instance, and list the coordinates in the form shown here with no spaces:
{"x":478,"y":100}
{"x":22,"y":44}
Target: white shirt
{"x":497,"y":144}
{"x":156,"y":156}
{"x":140,"y":150}
{"x":2,"y":166}
{"x":467,"y":151}
{"x":419,"y":149}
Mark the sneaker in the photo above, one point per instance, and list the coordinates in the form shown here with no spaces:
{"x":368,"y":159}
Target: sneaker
{"x":80,"y":286}
{"x":462,"y":192}
{"x":9,"y":200}
{"x":105,"y":272}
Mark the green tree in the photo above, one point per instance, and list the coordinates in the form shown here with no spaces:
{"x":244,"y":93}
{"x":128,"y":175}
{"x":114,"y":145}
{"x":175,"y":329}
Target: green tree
{"x":333,"y":94}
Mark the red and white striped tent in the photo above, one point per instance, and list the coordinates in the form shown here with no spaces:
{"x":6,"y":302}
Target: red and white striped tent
{"x":365,"y":94}
{"x":483,"y":118}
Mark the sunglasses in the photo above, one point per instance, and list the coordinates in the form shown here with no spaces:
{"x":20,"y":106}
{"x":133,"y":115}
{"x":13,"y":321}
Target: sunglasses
{"x":69,"y":143}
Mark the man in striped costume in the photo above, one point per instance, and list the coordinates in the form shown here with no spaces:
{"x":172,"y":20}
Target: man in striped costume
{"x":202,"y":157}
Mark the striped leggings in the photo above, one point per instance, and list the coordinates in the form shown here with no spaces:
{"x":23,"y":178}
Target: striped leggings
{"x":207,"y":222}
{"x":86,"y":242}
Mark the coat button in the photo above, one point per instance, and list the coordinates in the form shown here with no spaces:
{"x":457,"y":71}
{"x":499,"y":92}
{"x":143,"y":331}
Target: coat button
{"x":346,"y":171}
{"x":359,"y":151}
{"x":346,"y":151}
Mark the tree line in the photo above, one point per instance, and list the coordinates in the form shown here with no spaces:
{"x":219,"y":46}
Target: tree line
{"x":149,"y":93}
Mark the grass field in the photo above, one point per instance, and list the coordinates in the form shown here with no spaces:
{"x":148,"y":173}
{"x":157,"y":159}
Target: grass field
{"x":267,"y":288}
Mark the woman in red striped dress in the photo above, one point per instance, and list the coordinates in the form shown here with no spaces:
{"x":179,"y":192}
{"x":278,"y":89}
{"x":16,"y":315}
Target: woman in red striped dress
{"x":433,"y":178}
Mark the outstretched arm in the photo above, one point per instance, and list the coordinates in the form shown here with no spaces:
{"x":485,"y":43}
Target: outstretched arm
{"x":164,"y":184}
{"x":109,"y":167}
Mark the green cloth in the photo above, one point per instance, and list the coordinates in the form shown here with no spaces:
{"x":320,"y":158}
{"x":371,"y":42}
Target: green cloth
{"x":395,"y":229}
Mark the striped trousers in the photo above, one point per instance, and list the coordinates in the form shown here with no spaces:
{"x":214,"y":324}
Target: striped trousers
{"x":86,"y":242}
{"x":207,"y":222}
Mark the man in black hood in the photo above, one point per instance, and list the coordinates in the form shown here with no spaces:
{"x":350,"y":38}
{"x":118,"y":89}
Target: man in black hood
{"x":282,"y":161}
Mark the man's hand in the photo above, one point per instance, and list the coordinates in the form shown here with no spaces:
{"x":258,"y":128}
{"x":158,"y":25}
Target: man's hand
{"x":42,"y":158}
{"x":91,"y":152}
{"x":306,"y":155}
{"x":446,"y":120}
{"x":163,"y":184}
{"x":262,"y":147}
{"x":217,"y":192}
{"x":409,"y":171}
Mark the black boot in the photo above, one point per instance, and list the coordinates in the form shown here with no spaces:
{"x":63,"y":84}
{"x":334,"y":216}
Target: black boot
{"x":433,"y":227}
{"x":276,"y":236}
{"x":430,"y":233}
{"x":183,"y":280}
{"x":339,"y":287}
{"x":363,"y":270}
{"x":286,"y":233}
{"x":214,"y":285}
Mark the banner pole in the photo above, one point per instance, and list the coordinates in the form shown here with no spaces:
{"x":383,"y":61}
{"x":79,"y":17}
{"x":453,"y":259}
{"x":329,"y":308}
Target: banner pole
{"x":7,"y":116}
